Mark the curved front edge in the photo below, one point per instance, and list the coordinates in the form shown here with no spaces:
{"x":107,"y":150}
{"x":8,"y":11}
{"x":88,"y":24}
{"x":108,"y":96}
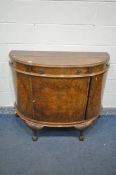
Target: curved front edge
{"x":37,"y":125}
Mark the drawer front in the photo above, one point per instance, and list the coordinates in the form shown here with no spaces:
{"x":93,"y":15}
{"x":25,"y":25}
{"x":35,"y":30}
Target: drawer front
{"x":81,"y":71}
{"x":98,"y":68}
{"x":69,"y":71}
{"x":59,"y":71}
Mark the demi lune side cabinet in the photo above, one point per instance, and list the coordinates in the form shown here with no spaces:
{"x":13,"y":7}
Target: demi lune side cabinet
{"x":58,"y":89}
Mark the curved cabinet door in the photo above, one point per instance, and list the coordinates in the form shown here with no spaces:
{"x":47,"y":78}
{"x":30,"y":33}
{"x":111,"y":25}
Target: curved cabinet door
{"x":95,"y":95}
{"x":24,"y":94}
{"x":59,"y":100}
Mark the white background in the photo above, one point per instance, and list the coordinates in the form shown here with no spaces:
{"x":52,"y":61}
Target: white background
{"x":57,"y":25}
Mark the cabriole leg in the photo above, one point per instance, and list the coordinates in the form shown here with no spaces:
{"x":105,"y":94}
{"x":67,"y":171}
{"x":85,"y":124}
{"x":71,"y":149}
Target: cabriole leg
{"x":81,"y":136}
{"x":81,"y":130}
{"x":35,"y":135}
{"x":35,"y":130}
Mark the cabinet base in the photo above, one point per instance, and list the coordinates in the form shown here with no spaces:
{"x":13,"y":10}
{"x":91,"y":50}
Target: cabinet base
{"x":37,"y":125}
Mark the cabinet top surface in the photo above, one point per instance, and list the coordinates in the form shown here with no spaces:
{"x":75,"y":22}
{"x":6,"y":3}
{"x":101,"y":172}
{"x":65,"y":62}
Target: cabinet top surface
{"x":61,"y":59}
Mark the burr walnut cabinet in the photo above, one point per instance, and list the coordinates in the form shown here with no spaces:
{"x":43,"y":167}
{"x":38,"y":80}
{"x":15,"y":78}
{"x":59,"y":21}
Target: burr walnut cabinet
{"x":58,"y":89}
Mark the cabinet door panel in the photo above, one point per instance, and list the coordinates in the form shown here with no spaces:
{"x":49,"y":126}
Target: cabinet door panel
{"x":59,"y":100}
{"x":95,"y":95}
{"x":24,"y":94}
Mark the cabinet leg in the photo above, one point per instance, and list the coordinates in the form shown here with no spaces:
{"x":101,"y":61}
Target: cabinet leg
{"x":35,"y":131}
{"x":35,"y":136}
{"x":16,"y":115}
{"x":81,"y":136}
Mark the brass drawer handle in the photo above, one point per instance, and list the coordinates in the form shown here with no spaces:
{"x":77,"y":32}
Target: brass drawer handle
{"x":41,"y":71}
{"x":28,"y":69}
{"x":78,"y":71}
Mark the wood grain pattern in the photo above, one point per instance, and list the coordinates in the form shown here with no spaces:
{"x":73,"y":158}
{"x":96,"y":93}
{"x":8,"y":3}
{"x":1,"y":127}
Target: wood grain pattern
{"x":59,"y":89}
{"x":59,"y":59}
{"x":24,"y":95}
{"x":95,"y":95}
{"x":60,"y":100}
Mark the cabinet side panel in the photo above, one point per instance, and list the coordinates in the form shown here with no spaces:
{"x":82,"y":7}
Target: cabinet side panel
{"x":14,"y":80}
{"x":95,"y":95}
{"x":24,"y":94}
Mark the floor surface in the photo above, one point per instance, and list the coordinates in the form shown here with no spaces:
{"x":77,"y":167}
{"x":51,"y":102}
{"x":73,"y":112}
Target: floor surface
{"x":58,"y":151}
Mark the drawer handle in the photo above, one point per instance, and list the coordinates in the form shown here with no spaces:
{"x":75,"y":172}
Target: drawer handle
{"x":41,"y":71}
{"x":78,"y":71}
{"x":28,"y":69}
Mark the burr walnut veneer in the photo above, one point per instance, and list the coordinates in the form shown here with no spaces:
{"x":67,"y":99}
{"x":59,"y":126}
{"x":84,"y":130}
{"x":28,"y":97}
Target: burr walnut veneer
{"x":58,"y":89}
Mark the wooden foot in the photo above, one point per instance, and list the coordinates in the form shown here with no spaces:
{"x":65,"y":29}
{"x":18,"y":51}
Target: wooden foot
{"x":81,"y":137}
{"x":35,"y":131}
{"x":16,"y":115}
{"x":35,"y":136}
